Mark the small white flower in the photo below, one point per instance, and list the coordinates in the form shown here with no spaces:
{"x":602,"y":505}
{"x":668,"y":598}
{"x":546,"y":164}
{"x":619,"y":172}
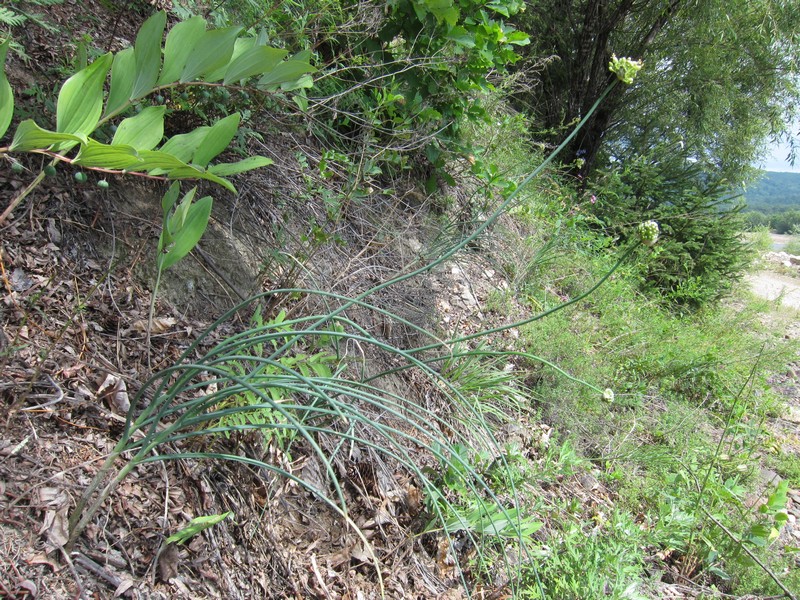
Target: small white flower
{"x":608,"y":395}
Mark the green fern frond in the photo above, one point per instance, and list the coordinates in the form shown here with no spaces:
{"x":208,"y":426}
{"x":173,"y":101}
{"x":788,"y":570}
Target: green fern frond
{"x":9,"y":18}
{"x":17,"y":16}
{"x":41,"y":21}
{"x":39,"y":2}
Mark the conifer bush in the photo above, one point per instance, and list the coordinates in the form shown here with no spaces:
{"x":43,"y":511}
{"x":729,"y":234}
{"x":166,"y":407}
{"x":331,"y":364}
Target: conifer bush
{"x":701,"y":253}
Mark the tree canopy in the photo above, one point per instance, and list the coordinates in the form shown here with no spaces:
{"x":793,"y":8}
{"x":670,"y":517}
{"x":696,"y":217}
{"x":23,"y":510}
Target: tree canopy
{"x":720,"y":76}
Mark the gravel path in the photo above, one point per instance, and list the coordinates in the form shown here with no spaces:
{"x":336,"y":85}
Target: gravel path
{"x":771,"y":285}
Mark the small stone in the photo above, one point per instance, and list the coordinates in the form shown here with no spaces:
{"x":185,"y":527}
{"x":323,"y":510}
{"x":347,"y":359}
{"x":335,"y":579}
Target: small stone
{"x":414,"y":245}
{"x":589,"y":482}
{"x":793,"y":414}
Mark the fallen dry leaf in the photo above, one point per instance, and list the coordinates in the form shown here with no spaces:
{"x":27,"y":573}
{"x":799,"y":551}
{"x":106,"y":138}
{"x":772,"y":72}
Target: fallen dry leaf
{"x":123,"y":587}
{"x":55,"y":524}
{"x":42,"y":559}
{"x":160,"y":325}
{"x":28,"y":586}
{"x":116,"y":391}
{"x":55,"y":518}
{"x":168,"y":563}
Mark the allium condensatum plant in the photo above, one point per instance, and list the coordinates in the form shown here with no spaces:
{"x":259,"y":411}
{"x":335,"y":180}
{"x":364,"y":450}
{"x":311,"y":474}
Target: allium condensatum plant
{"x":648,"y":233}
{"x":264,"y":364}
{"x":334,"y":395}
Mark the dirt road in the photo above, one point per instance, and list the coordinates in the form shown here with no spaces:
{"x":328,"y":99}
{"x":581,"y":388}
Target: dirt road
{"x":771,"y":285}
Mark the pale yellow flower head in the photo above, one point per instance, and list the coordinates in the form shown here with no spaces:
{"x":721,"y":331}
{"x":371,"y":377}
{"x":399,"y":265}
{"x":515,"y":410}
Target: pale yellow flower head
{"x":624,"y":68}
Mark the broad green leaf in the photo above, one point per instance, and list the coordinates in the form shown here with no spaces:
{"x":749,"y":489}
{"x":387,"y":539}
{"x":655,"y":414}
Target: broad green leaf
{"x":518,"y":38}
{"x":461,"y":36}
{"x":248,"y":164}
{"x":195,"y":526}
{"x":123,"y":72}
{"x":156,"y":162}
{"x":240,"y":46}
{"x":81,"y":55}
{"x":147,"y":51}
{"x":186,"y":238}
{"x":178,"y":218}
{"x":255,"y":61}
{"x":284,"y":72}
{"x":95,"y":154}
{"x":302,"y":56}
{"x":184,"y":145}
{"x":167,"y":202}
{"x":301,"y":101}
{"x":217,"y":139}
{"x":169,"y":199}
{"x":304,"y":82}
{"x":499,"y":7}
{"x":212,"y":51}
{"x":778,"y":499}
{"x":29,"y":136}
{"x":6,"y":95}
{"x":181,"y":41}
{"x":443,"y":10}
{"x":155,"y":159}
{"x":144,"y":131}
{"x":80,"y":101}
{"x":190,"y":172}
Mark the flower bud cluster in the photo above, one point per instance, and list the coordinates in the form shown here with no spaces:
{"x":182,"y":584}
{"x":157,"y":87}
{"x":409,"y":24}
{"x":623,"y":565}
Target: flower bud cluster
{"x":648,"y":233}
{"x":624,"y":68}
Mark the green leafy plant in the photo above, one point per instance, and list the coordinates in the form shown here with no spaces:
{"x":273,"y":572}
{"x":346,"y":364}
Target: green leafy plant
{"x":299,"y":397}
{"x":313,"y":363}
{"x":181,"y":230}
{"x":195,"y":526}
{"x":192,"y":55}
{"x":352,"y":409}
{"x":590,"y":559}
{"x":15,"y":14}
{"x":702,"y":252}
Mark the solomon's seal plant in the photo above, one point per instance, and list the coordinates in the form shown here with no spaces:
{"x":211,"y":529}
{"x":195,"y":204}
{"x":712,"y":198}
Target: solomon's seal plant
{"x":192,"y":56}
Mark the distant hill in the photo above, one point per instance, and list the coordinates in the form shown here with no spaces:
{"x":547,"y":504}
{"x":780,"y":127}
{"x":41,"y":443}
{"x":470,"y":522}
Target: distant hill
{"x":775,"y":192}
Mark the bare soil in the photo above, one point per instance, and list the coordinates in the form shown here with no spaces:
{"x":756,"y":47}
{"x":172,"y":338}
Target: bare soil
{"x":773,"y":286}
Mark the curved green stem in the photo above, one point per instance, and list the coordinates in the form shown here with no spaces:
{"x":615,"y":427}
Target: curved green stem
{"x":536,"y":317}
{"x":153,"y":308}
{"x":470,"y":238}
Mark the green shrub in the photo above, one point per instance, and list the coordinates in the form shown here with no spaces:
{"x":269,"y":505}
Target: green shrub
{"x":701,"y":253}
{"x":761,"y":240}
{"x":793,"y":247}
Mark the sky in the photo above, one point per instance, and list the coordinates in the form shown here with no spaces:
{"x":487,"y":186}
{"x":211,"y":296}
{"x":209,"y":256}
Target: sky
{"x":776,"y":161}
